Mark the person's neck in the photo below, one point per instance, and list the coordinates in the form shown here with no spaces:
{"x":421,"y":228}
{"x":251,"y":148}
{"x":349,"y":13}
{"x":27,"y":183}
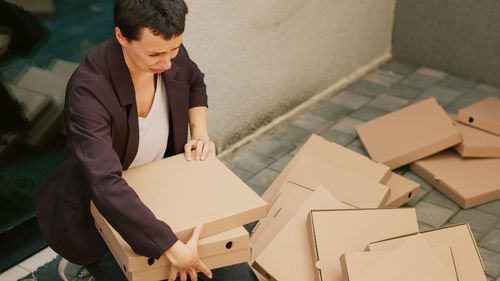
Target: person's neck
{"x":135,"y":72}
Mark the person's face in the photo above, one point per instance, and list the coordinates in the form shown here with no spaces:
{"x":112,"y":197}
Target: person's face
{"x":151,"y":53}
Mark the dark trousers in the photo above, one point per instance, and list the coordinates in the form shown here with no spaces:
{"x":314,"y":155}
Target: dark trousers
{"x":106,"y":269}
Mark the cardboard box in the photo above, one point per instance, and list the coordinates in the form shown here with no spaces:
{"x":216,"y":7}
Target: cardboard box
{"x":334,"y":232}
{"x":32,"y":103}
{"x":335,"y":155}
{"x":408,"y":134}
{"x":483,"y":115}
{"x":63,"y":68}
{"x":355,"y":263}
{"x":402,"y":190}
{"x":476,"y":142}
{"x":45,"y":82}
{"x":289,"y":255}
{"x":467,"y":181}
{"x":400,"y":264}
{"x":166,"y":185}
{"x":41,"y":8}
{"x":459,"y":237}
{"x":230,"y":241}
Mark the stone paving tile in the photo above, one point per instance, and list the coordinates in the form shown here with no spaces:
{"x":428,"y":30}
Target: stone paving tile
{"x":417,"y":199}
{"x":387,"y":102}
{"x":423,"y":184}
{"x":399,"y":68}
{"x":457,"y":83}
{"x":432,"y":72}
{"x":366,"y":88}
{"x":279,"y":165}
{"x":367,"y":113}
{"x":357,"y":142}
{"x":402,"y":170}
{"x":330,"y":111}
{"x":469,"y":98}
{"x":350,"y":100}
{"x":291,"y":134}
{"x":423,"y":226}
{"x":432,"y":215}
{"x":478,"y":220}
{"x":420,"y":81}
{"x":312,"y":123}
{"x":358,"y":149}
{"x":273,"y":148}
{"x":443,"y":96}
{"x":347,"y":125}
{"x":263,"y":179}
{"x":491,"y":241}
{"x":336,"y":136}
{"x":490,"y":207}
{"x":242,"y":174}
{"x":251,"y":162}
{"x":491,"y":261}
{"x":404,"y":91}
{"x":437,"y":198}
{"x":494,"y":91}
{"x":384,"y":77}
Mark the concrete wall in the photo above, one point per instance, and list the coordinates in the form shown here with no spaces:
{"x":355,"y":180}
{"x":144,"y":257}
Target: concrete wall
{"x":262,"y":58}
{"x":461,"y":37}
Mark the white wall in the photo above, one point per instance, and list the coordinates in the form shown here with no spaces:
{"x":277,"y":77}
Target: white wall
{"x":262,"y":58}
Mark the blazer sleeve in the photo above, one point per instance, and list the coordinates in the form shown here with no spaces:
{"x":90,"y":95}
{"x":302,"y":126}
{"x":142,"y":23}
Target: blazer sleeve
{"x":89,"y":136}
{"x":197,"y":87}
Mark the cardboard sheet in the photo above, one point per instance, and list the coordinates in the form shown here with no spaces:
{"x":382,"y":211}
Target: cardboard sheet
{"x":476,"y":142}
{"x":289,"y":255}
{"x":335,"y":232}
{"x":467,"y":181}
{"x":335,"y":155}
{"x":226,"y":201}
{"x":459,"y":237}
{"x":408,"y":134}
{"x":355,"y":263}
{"x":222,"y":243}
{"x":400,"y":264}
{"x":402,"y":190}
{"x":483,"y":114}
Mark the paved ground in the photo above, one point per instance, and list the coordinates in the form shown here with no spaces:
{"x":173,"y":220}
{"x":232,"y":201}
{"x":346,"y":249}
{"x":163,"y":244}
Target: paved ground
{"x":393,"y":86}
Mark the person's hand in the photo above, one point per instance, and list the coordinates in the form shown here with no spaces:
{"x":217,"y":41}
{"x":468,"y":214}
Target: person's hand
{"x":184,"y":259}
{"x":202,"y":148}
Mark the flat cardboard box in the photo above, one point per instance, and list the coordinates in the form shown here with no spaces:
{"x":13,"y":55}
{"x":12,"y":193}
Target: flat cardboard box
{"x":400,"y":264}
{"x":355,"y":263}
{"x":409,"y":134}
{"x":467,"y":181}
{"x":223,"y":243}
{"x":63,"y":68}
{"x":476,"y":142}
{"x":289,"y":255}
{"x":459,"y":237}
{"x":45,"y":82}
{"x":166,"y":185}
{"x":335,"y":155}
{"x":334,"y":232}
{"x":41,"y":8}
{"x":402,"y":190}
{"x":483,"y":115}
{"x":32,"y":103}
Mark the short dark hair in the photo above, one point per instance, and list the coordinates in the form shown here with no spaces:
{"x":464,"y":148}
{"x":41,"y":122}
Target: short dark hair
{"x":164,"y":17}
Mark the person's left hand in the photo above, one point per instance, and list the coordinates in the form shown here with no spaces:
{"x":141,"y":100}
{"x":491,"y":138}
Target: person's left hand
{"x":202,"y":148}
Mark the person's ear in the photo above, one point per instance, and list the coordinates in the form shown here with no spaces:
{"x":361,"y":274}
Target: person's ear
{"x":119,"y":36}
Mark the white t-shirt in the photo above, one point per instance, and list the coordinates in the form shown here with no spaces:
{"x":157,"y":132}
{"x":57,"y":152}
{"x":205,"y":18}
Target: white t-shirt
{"x":153,"y":129}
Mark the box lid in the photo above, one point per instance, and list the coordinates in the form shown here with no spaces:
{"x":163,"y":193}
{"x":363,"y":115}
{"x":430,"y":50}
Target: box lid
{"x":335,"y":232}
{"x":335,"y":155}
{"x":402,"y":190}
{"x":414,"y":260}
{"x":468,"y":181}
{"x":483,"y":114}
{"x":294,"y":236}
{"x":408,"y":134}
{"x":476,"y":142}
{"x":459,"y":237}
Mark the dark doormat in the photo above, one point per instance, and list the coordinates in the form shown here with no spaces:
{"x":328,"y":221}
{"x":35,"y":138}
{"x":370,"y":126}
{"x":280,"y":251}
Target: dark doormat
{"x":46,"y":272}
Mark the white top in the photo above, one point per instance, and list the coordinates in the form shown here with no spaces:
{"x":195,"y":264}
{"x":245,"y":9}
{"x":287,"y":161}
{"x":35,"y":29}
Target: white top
{"x":153,"y":129}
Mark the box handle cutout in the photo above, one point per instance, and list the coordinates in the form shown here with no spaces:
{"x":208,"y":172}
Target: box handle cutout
{"x":124,"y":268}
{"x":409,"y":195}
{"x":471,"y":119}
{"x":151,"y":261}
{"x":229,"y":245}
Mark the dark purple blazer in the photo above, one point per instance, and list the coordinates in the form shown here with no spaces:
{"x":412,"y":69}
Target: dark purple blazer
{"x":102,"y":137}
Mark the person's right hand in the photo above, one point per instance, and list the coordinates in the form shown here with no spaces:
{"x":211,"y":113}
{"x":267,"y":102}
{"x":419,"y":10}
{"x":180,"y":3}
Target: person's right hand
{"x":184,"y":259}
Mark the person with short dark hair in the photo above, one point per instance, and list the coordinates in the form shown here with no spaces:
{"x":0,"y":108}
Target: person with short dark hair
{"x":128,"y":103}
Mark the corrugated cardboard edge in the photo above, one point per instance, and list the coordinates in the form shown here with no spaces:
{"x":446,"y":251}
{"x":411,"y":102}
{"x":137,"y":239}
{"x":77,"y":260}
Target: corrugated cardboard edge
{"x":343,"y":265}
{"x":408,"y":195}
{"x":438,"y":228}
{"x":484,"y":152}
{"x":314,"y":248}
{"x":469,"y":118}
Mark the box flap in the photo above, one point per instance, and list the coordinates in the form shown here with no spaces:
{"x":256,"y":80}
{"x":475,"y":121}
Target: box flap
{"x":338,"y":231}
{"x":411,"y":133}
{"x":483,"y":114}
{"x":476,"y":142}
